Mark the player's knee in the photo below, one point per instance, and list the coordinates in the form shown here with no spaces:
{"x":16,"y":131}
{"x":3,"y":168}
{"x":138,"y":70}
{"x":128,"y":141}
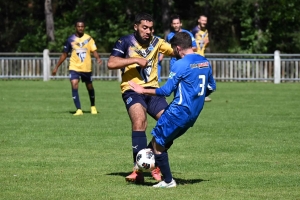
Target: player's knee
{"x":139,"y":124}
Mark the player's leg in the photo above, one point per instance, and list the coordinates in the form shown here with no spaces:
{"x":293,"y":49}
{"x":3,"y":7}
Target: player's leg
{"x":162,"y":160}
{"x":87,"y":78}
{"x":156,"y":106}
{"x":164,"y":133}
{"x":74,"y":79}
{"x":135,"y":106}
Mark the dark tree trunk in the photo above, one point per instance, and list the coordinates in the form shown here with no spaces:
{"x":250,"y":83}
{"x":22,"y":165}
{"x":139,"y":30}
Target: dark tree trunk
{"x":166,"y":7}
{"x":49,"y":21}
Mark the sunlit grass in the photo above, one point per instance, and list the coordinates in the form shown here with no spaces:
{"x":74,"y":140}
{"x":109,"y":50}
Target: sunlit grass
{"x":245,"y":145}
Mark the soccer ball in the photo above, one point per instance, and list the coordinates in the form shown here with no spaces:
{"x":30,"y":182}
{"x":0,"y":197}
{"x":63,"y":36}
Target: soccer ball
{"x":145,"y":160}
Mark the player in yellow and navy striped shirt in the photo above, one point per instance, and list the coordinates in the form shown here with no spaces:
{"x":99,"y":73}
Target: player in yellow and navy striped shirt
{"x":80,"y":45}
{"x":136,"y":55}
{"x":201,"y":34}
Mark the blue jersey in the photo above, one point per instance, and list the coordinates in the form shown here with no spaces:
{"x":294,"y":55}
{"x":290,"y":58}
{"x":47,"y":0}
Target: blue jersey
{"x":191,"y":80}
{"x":170,"y":36}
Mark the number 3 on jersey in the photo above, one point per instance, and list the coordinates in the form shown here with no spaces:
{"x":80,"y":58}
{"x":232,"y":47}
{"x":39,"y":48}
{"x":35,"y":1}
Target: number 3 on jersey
{"x":202,"y":77}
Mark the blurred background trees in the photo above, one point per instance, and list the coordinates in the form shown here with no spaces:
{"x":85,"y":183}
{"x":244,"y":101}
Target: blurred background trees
{"x":235,"y":26}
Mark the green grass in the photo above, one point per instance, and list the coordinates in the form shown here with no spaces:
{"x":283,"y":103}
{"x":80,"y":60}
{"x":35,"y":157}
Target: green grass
{"x":245,"y":145}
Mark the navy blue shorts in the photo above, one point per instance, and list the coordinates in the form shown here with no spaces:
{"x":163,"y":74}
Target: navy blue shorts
{"x":153,"y":104}
{"x":85,"y":76}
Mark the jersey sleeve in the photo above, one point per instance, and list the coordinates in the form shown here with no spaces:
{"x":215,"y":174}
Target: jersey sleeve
{"x":119,"y":48}
{"x":67,"y":46}
{"x":194,"y":31}
{"x":93,"y":46}
{"x":165,"y":48}
{"x":211,"y":85}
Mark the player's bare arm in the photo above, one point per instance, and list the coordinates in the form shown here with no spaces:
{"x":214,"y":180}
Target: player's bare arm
{"x":96,"y":55}
{"x":139,"y":89}
{"x":206,"y":41}
{"x":62,"y":58}
{"x":118,"y":62}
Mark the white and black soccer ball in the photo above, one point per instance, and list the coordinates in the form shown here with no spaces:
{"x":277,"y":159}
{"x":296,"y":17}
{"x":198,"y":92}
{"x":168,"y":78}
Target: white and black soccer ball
{"x":145,"y":159}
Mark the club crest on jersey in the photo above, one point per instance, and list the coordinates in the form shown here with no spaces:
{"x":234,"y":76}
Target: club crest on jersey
{"x":172,"y":74}
{"x":150,"y":47}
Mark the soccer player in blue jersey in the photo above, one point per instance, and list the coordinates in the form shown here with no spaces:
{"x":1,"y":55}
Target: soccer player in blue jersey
{"x":136,"y":55}
{"x":201,"y":36}
{"x":80,"y":45}
{"x":191,"y":80}
{"x":176,"y":25}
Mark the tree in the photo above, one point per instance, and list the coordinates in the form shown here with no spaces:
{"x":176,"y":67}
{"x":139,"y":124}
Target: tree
{"x":49,"y":21}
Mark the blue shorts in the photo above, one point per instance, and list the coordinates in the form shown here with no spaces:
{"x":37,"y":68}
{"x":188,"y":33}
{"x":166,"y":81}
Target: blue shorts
{"x":153,"y":104}
{"x":85,"y":76}
{"x":167,"y":129}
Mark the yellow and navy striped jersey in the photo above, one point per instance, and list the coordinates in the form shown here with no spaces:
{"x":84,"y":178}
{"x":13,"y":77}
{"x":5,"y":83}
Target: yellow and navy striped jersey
{"x":80,"y":49}
{"x":127,"y":47}
{"x":200,"y":35}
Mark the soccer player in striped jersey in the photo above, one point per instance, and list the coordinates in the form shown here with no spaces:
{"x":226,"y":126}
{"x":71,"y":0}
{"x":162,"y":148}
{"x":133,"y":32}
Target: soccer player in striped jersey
{"x":80,"y":45}
{"x":136,"y":55}
{"x":201,"y":35}
{"x":191,"y":80}
{"x":176,"y":25}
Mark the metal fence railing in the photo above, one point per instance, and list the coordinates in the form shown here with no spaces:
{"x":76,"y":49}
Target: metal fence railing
{"x":226,"y":67}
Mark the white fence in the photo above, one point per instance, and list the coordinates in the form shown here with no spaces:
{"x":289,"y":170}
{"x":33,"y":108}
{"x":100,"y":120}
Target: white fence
{"x":226,"y":67}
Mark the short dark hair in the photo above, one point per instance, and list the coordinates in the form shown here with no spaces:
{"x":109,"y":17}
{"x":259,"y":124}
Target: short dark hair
{"x":78,"y":21}
{"x":175,"y":17}
{"x":142,"y":16}
{"x":181,"y":39}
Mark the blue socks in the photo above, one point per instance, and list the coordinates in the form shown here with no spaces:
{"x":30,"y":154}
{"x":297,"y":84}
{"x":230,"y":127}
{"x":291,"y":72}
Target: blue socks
{"x":139,"y":142}
{"x":76,"y":100}
{"x":162,"y":161}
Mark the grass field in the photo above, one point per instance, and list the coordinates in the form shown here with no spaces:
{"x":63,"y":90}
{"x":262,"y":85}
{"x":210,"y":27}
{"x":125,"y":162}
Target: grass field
{"x":245,"y":145}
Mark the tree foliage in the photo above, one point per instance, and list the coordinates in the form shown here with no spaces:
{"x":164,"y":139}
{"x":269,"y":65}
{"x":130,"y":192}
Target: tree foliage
{"x":235,"y":26}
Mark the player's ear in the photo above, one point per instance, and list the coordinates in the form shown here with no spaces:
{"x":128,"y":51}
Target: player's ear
{"x":135,"y":27}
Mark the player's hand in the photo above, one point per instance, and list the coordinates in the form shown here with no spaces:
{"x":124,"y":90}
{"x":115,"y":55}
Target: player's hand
{"x":206,"y":41}
{"x":135,"y":87}
{"x":142,"y":62}
{"x":99,"y":61}
{"x":54,"y":72}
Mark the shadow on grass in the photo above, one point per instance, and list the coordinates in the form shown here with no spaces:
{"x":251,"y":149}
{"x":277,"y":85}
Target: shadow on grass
{"x":179,"y":181}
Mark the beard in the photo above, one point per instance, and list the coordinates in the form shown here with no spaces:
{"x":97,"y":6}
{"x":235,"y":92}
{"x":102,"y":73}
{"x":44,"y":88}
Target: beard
{"x":140,"y":39}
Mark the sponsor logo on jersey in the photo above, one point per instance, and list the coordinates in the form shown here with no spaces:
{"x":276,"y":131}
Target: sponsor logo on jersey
{"x":199,"y":65}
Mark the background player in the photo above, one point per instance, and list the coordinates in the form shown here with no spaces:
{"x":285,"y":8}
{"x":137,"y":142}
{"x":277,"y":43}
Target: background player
{"x":136,"y":55}
{"x":191,"y":80}
{"x":176,"y":25}
{"x":80,"y":45}
{"x":201,"y":35}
